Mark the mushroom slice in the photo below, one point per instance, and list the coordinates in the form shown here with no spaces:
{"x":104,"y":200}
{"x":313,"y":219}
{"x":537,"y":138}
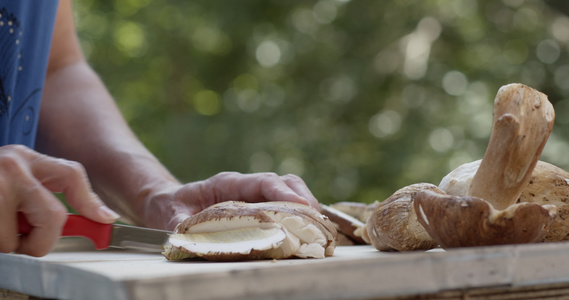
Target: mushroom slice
{"x":470,"y":221}
{"x":231,"y":231}
{"x":358,"y":210}
{"x":523,"y":119}
{"x":346,"y":224}
{"x":350,"y":218}
{"x":394,"y":225}
{"x":548,"y":185}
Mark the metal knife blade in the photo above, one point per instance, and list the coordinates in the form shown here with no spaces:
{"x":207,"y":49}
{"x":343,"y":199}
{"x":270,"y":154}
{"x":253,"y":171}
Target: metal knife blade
{"x":138,"y":238}
{"x":108,"y":235}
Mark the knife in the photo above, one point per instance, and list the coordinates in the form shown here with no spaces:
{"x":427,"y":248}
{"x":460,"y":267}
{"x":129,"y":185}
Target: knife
{"x":108,"y":235}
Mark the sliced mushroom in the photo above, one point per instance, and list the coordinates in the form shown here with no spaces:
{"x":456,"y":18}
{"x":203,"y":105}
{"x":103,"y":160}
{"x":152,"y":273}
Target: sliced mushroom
{"x":548,"y":185}
{"x":350,"y":217}
{"x":231,"y":231}
{"x":394,"y":225}
{"x":358,"y":210}
{"x":488,"y":215}
{"x":346,"y":224}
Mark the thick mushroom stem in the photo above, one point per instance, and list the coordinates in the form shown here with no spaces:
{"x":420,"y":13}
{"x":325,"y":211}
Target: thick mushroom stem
{"x":523,"y":119}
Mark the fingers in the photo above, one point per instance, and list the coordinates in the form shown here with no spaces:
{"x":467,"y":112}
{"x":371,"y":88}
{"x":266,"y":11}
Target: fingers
{"x":70,"y":178}
{"x":8,"y":227}
{"x":260,"y":187}
{"x":27,"y":182}
{"x":20,"y":191}
{"x":297,"y":184}
{"x":288,"y":188}
{"x":45,"y":213}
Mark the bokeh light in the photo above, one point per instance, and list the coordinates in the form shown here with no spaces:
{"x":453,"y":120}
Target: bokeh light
{"x":359,"y":98}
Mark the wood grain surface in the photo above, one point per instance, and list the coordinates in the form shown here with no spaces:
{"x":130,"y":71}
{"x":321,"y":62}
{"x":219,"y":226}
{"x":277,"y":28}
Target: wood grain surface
{"x":75,"y":271}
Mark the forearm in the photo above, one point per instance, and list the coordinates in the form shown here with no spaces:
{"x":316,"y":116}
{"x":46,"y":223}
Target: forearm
{"x":80,"y":121}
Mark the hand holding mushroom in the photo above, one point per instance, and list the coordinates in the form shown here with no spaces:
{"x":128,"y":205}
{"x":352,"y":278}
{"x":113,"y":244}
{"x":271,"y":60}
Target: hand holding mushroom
{"x":486,"y":212}
{"x":173,"y":204}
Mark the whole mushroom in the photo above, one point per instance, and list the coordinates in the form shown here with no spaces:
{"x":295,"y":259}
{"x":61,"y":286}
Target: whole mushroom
{"x":393,"y":225}
{"x":489,"y":214}
{"x":548,"y":185}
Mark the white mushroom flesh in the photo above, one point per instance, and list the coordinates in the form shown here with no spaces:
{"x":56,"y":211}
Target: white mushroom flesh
{"x":242,"y":240}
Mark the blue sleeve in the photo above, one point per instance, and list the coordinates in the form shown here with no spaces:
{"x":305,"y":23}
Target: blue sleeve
{"x":26,"y":28}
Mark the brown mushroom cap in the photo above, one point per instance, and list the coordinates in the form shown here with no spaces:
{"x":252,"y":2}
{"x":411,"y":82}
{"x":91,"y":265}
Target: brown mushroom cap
{"x":470,"y":221}
{"x":394,"y":226}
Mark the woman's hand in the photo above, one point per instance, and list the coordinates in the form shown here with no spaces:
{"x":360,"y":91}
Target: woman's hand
{"x":27,"y":183}
{"x":169,"y":207}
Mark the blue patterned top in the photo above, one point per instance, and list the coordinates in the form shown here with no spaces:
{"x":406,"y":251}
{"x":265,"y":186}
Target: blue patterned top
{"x":26,"y":28}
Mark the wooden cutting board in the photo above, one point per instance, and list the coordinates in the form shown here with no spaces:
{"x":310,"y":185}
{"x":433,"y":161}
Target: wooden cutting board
{"x":75,"y":271}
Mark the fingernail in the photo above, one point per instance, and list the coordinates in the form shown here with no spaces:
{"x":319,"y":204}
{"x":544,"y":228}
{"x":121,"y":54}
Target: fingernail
{"x":108,"y":213}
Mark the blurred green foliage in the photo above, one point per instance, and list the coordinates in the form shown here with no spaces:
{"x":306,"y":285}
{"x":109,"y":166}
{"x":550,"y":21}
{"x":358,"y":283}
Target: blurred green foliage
{"x":359,"y":97}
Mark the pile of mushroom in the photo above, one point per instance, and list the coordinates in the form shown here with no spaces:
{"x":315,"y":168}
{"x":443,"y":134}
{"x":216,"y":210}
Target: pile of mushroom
{"x":506,"y":198}
{"x":232,"y":231}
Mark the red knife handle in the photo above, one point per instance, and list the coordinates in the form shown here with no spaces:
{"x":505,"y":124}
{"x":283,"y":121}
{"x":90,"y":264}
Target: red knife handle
{"x":76,"y":225}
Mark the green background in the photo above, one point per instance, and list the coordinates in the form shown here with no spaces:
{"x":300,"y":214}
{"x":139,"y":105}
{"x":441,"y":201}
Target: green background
{"x":359,"y":98}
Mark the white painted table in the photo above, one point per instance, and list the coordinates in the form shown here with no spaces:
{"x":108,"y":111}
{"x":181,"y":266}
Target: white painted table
{"x":75,"y":271}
